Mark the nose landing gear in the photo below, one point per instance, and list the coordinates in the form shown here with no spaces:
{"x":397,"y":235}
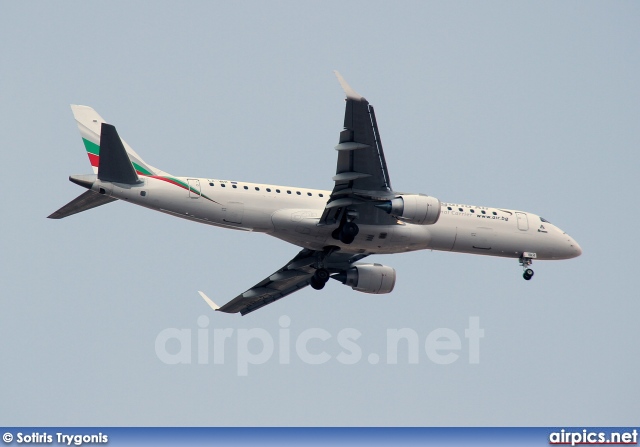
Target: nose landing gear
{"x":525,"y":261}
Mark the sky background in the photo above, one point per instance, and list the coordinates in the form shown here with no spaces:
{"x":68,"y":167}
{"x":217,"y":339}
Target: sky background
{"x":522,"y":105}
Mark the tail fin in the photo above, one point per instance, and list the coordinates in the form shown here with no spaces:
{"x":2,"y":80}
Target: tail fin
{"x":90,"y":126}
{"x":119,"y":163}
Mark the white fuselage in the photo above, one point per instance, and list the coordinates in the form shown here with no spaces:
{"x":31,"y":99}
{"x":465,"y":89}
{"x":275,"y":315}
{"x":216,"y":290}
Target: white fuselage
{"x":292,"y":214}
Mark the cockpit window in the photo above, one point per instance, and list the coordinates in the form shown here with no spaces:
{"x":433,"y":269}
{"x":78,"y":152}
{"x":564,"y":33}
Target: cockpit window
{"x":544,"y":220}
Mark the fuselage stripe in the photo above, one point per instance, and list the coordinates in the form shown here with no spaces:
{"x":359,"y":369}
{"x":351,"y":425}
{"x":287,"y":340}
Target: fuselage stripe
{"x":180,"y":184}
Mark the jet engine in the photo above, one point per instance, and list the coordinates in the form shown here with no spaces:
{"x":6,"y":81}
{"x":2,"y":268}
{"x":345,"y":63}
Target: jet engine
{"x":369,"y":278}
{"x":413,"y":208}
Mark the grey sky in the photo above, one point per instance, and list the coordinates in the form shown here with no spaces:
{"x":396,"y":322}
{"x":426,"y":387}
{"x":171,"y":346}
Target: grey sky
{"x":525,"y":105}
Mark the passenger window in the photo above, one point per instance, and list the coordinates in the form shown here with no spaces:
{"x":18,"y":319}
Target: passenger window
{"x":288,"y":192}
{"x":472,"y":210}
{"x":298,"y":192}
{"x":483,"y":212}
{"x":449,"y":208}
{"x":223,"y":185}
{"x":494,"y":213}
{"x":257,"y":189}
{"x":234,"y":186}
{"x":460,"y":209}
{"x":246,"y":187}
{"x":278,"y":191}
{"x":210,"y":184}
{"x":309,"y":194}
{"x":321,"y":195}
{"x":268,"y":189}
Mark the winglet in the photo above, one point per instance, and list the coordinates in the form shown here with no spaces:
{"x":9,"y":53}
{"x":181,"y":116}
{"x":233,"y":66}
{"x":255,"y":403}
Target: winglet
{"x":351,"y":93}
{"x":211,"y":304}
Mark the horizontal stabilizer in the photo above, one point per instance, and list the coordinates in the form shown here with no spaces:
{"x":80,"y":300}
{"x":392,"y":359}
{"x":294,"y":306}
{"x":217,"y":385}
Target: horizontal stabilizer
{"x":114,"y":164}
{"x":85,"y":201}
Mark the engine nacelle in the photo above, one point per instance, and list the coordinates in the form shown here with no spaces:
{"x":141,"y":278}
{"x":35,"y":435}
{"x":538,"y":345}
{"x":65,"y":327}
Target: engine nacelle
{"x":370,"y":278}
{"x":414,"y":208}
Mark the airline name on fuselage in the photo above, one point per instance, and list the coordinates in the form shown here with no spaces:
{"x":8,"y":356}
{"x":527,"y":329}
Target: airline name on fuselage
{"x":482,"y":212}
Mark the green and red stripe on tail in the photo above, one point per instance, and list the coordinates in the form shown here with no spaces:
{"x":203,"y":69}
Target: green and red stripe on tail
{"x":93,"y":151}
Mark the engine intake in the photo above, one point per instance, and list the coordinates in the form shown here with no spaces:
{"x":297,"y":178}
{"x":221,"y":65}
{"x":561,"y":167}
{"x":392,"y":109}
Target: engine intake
{"x":369,"y":278}
{"x":414,"y":208}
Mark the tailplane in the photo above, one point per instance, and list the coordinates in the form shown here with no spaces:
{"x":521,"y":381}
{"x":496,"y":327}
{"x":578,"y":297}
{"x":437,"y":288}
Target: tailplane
{"x":111,"y":158}
{"x":85,"y":201}
{"x":114,"y":164}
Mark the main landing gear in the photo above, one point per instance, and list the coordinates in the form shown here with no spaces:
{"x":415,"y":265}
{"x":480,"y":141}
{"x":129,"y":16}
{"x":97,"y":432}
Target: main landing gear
{"x":525,"y":262}
{"x":319,"y":278}
{"x":346,"y":233}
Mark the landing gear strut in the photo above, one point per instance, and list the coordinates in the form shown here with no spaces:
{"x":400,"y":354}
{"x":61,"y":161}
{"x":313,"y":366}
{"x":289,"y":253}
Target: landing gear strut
{"x":525,"y":262}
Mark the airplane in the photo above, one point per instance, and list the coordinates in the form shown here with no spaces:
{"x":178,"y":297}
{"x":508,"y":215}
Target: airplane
{"x":361,"y":216}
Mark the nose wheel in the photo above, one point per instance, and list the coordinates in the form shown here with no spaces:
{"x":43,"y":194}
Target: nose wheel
{"x":525,"y":262}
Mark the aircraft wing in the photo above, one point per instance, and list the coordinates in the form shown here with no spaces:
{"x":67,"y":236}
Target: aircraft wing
{"x":295,"y":275}
{"x":362,"y":177}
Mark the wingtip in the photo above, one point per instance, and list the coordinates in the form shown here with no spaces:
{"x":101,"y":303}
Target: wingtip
{"x":209,"y":301}
{"x":351,"y":93}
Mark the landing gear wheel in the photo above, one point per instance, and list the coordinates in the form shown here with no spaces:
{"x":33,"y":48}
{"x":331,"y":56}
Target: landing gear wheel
{"x":346,"y":239}
{"x":321,"y":275}
{"x":525,"y":262}
{"x":316,"y":283}
{"x":348,"y":232}
{"x":350,"y":229}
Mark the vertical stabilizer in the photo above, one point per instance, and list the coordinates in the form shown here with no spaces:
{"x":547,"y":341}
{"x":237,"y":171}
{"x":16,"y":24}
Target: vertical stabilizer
{"x":90,"y":126}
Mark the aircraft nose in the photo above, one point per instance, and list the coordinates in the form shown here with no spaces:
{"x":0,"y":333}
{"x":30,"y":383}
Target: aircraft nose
{"x":575,"y":247}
